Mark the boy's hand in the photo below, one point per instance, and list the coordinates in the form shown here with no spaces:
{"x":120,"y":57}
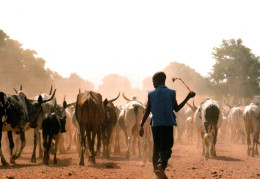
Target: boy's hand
{"x":191,"y":94}
{"x":141,"y":131}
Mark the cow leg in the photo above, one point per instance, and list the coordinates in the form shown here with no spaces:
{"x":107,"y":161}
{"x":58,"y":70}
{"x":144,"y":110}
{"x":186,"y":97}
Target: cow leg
{"x":23,"y":142}
{"x":35,"y":136}
{"x":11,"y":141}
{"x":4,"y":162}
{"x":129,"y":144}
{"x":213,"y":150}
{"x":83,"y":143}
{"x":61,"y":147}
{"x":117,"y":145}
{"x":47,"y":146}
{"x":104,"y":141}
{"x":203,"y":147}
{"x":255,"y":142}
{"x":133,"y":144}
{"x":198,"y":138}
{"x":139,"y":146}
{"x":40,"y":145}
{"x":90,"y":145}
{"x":57,"y":140}
{"x":98,"y":134}
{"x":69,"y":134}
{"x":248,"y":142}
{"x":109,"y":140}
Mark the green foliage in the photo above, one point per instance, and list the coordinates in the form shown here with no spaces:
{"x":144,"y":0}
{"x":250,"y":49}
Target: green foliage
{"x":21,"y":67}
{"x":237,"y":70}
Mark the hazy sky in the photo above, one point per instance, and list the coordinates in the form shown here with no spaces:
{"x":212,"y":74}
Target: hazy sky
{"x":134,"y":38}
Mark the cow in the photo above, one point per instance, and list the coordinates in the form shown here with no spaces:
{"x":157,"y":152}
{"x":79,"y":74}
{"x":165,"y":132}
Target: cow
{"x":237,"y":126}
{"x":115,"y":136}
{"x":71,"y":129}
{"x":20,"y":114}
{"x":47,"y":108}
{"x":52,"y":127}
{"x":90,"y":114}
{"x":108,"y":125}
{"x":147,"y":141}
{"x":129,"y":121}
{"x":181,"y":117}
{"x":236,"y":122}
{"x":252,"y":126}
{"x":208,"y":119}
{"x":190,"y":124}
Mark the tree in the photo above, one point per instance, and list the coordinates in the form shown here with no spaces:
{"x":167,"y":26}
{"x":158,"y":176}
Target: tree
{"x":193,"y":79}
{"x":236,"y":71}
{"x":113,"y":84}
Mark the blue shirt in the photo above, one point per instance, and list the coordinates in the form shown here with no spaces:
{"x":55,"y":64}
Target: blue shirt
{"x":161,"y":101}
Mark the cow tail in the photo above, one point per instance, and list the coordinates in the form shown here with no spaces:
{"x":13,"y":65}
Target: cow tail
{"x":136,"y":111}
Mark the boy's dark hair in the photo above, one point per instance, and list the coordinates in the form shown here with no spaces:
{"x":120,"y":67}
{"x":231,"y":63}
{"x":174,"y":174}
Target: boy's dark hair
{"x":159,"y":77}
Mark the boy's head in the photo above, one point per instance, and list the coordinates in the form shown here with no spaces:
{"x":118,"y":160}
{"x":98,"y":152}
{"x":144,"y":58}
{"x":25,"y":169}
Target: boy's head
{"x":158,"y":79}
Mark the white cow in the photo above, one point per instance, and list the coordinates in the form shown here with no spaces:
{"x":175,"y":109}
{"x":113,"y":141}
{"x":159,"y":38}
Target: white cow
{"x":208,"y":119}
{"x":129,"y":121}
{"x":147,"y":141}
{"x":252,"y":125}
{"x":237,"y":126}
{"x":181,"y":117}
{"x":71,"y":129}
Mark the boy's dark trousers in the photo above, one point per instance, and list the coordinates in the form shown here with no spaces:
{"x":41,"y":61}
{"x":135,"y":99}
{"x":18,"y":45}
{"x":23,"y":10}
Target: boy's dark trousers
{"x":163,"y":142}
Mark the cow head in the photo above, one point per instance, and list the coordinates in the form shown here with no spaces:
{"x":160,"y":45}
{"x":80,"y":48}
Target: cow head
{"x":4,"y":105}
{"x":37,"y":109}
{"x":61,"y":114}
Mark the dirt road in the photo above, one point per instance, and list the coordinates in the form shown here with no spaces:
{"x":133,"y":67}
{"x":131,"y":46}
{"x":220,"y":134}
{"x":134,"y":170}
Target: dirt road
{"x":186,"y":162}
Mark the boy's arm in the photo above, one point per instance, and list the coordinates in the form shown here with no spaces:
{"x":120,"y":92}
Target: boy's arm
{"x":178,"y":107}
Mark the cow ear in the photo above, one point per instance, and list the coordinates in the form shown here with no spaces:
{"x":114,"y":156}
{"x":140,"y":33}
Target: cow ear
{"x":40,"y":99}
{"x":105,"y":102}
{"x":64,"y":104}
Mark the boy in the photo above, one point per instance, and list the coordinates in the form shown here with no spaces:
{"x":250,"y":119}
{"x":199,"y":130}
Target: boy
{"x":161,"y":102}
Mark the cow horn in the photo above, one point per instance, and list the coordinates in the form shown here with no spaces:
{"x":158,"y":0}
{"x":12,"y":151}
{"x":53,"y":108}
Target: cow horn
{"x":194,"y":105}
{"x":50,"y":90}
{"x":71,"y":104}
{"x":44,"y":101}
{"x":236,"y":105}
{"x":15,"y":90}
{"x":21,"y":87}
{"x":64,"y":97}
{"x":227,"y":104}
{"x":112,"y":100}
{"x":123,"y":94}
{"x":79,"y":90}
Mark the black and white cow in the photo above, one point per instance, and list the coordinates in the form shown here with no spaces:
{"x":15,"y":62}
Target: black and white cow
{"x":19,"y":114}
{"x":47,"y":108}
{"x":208,"y":119}
{"x":52,"y":127}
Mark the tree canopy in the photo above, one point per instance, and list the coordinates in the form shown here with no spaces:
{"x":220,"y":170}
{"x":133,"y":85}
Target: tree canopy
{"x":236,"y":71}
{"x":19,"y":66}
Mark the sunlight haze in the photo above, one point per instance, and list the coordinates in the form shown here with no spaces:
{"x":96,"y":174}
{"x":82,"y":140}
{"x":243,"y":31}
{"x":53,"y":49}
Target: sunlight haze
{"x":130,"y":38}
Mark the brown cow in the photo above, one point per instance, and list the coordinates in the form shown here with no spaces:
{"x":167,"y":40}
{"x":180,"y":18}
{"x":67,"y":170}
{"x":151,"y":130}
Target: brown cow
{"x":108,"y":126}
{"x":90,"y":114}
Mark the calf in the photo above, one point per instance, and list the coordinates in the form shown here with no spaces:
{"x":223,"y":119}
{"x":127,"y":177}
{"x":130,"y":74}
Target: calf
{"x":52,"y":127}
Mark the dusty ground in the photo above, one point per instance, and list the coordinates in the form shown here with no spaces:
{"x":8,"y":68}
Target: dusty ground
{"x":186,"y":162}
